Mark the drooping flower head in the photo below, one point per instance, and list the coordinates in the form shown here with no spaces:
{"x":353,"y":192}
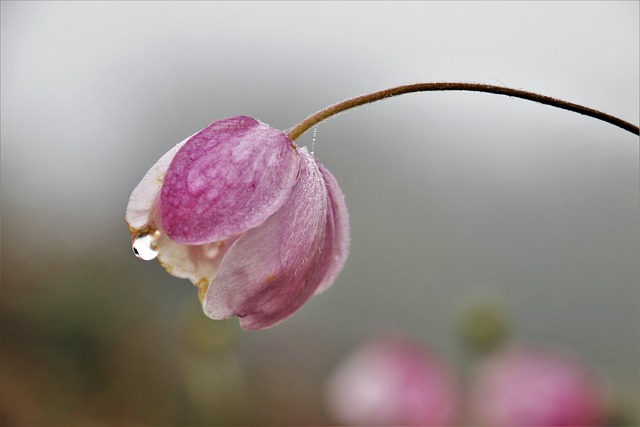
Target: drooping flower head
{"x":256,"y":223}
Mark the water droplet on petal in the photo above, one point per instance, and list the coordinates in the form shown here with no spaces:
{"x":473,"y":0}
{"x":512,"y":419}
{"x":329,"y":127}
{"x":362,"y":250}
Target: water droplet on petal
{"x":143,"y":247}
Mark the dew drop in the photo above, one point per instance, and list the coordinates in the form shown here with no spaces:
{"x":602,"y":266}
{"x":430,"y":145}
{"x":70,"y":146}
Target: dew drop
{"x":143,"y":248}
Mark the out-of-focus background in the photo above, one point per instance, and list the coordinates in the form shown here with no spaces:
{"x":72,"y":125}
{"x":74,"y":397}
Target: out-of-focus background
{"x":457,"y":200}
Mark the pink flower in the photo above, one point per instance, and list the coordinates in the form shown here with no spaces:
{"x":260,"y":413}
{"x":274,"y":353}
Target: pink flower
{"x":392,"y":381}
{"x":536,"y":387}
{"x":255,"y":222}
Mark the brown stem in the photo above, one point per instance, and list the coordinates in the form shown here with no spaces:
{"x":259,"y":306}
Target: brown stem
{"x":322,"y":115}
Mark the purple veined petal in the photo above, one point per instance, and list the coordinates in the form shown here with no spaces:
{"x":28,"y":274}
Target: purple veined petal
{"x":336,"y":246}
{"x":228,"y":178}
{"x":271,"y":271}
{"x":143,"y":198}
{"x":197,"y":263}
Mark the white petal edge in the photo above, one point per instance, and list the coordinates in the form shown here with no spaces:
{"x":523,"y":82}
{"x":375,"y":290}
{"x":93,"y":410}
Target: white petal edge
{"x":142,"y":200}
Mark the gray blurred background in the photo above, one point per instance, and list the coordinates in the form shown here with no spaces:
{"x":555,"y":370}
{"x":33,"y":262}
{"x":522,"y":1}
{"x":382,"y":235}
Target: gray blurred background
{"x":456,"y":199}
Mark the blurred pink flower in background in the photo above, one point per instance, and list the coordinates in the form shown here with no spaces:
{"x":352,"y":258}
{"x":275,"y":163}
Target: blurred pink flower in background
{"x":392,"y":380}
{"x":536,"y":386}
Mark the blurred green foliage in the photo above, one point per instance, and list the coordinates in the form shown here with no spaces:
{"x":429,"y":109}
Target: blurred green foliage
{"x":87,"y":341}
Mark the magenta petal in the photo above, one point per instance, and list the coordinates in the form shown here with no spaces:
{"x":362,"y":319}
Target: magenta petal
{"x":227,"y":179}
{"x":270,"y":271}
{"x":336,"y":245}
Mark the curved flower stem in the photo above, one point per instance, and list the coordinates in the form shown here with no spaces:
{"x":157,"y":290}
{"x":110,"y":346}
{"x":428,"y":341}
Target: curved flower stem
{"x":322,"y":115}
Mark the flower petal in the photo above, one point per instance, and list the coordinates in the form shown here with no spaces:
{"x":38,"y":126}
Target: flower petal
{"x":270,"y":271}
{"x":336,"y":246}
{"x":141,"y":202}
{"x":198,"y":263}
{"x":227,"y":179}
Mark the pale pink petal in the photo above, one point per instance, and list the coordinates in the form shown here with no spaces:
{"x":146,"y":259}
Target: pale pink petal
{"x":198,"y":263}
{"x":227,"y":179}
{"x":271,"y":271}
{"x":336,"y":246}
{"x":142,"y":199}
